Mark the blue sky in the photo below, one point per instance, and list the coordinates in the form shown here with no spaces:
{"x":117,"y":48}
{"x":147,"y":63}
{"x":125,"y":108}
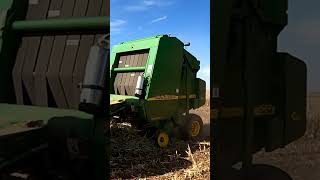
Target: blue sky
{"x":301,"y":37}
{"x":189,"y":21}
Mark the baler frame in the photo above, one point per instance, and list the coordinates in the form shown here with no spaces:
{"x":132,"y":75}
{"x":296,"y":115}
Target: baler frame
{"x":164,"y":107}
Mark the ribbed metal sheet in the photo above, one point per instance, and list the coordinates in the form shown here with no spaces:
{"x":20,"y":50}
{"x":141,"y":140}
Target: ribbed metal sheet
{"x":94,"y":9}
{"x":50,"y":68}
{"x":23,"y":69}
{"x":40,"y":83}
{"x":55,"y":60}
{"x":70,"y":55}
{"x":125,"y":83}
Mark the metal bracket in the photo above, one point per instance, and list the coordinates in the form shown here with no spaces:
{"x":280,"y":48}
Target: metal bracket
{"x":104,"y":41}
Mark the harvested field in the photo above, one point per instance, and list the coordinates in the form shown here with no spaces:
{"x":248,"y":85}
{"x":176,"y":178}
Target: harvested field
{"x":137,"y":157}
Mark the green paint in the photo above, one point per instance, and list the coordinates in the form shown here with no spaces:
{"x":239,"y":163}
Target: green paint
{"x":12,"y":114}
{"x":5,"y":4}
{"x":129,"y":69}
{"x":164,"y":76}
{"x":100,"y":23}
{"x":10,"y":11}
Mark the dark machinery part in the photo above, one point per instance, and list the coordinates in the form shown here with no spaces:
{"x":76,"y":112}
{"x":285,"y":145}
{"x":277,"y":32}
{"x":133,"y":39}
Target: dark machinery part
{"x":261,"y":99}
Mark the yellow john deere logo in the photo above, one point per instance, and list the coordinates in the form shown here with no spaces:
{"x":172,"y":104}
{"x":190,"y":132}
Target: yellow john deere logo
{"x":234,"y":112}
{"x":264,"y":109}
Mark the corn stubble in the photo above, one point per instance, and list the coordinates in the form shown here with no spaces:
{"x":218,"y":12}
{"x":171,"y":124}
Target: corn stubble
{"x":137,"y":157}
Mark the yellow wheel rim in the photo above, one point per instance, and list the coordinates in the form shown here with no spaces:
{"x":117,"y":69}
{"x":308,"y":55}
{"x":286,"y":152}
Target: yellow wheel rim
{"x":195,"y":128}
{"x":163,"y":139}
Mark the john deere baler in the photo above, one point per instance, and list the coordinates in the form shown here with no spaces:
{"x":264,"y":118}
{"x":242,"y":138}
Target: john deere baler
{"x":153,"y":82}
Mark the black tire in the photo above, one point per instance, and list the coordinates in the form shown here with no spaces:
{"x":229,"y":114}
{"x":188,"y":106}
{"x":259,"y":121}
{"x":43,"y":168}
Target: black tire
{"x":267,"y":172}
{"x":186,"y":133}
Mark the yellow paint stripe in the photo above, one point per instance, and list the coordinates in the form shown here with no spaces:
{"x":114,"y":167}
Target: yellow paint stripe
{"x":116,"y":102}
{"x":192,"y":96}
{"x":227,"y":112}
{"x":264,"y":109}
{"x":236,"y":112}
{"x":170,"y":97}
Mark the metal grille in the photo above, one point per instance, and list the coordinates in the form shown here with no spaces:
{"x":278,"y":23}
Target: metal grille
{"x":48,"y":69}
{"x":125,"y":83}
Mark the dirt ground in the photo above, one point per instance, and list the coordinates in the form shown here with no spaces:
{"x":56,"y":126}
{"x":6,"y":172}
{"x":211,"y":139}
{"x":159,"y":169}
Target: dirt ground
{"x":137,"y":157}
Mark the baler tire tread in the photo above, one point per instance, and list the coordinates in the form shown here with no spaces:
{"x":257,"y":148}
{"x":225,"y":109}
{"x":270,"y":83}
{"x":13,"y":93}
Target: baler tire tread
{"x":187,"y":125}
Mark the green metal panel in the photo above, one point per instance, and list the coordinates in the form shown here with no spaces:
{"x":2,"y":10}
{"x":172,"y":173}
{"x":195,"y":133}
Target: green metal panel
{"x":201,"y":92}
{"x":99,"y":23}
{"x":15,"y":114}
{"x":10,"y":11}
{"x":273,"y":11}
{"x":295,"y":77}
{"x":170,"y":75}
{"x":5,"y":5}
{"x":167,"y":67}
{"x":129,"y":69}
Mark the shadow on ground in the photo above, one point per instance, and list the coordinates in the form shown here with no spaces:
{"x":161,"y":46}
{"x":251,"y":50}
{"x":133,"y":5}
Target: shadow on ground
{"x":136,"y":156}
